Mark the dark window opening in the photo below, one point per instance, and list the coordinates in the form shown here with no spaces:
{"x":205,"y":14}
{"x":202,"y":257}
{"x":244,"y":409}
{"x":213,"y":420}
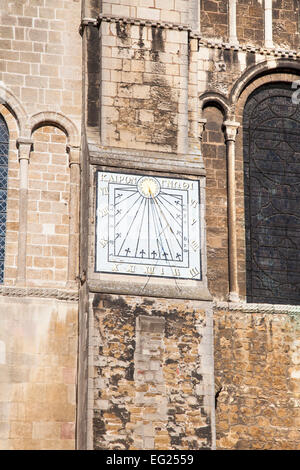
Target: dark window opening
{"x":271,"y":134}
{"x":4,"y":138}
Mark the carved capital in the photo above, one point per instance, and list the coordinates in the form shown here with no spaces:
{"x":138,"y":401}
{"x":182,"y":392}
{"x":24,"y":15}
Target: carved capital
{"x":201,"y":128}
{"x":231,"y":130}
{"x":25,"y":146}
{"x":74,"y":155}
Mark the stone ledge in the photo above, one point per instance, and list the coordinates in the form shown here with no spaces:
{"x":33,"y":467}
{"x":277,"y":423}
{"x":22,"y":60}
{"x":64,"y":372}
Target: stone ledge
{"x":200,"y":292}
{"x":156,"y":161}
{"x":276,"y":52}
{"x":272,"y":51}
{"x":257,"y":308}
{"x":143,"y":22}
{"x":45,"y":293}
{"x":95,"y":22}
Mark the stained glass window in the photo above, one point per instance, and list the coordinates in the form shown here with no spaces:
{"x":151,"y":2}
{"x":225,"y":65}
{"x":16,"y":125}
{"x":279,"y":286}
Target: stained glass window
{"x":4,"y":137}
{"x":271,"y":135}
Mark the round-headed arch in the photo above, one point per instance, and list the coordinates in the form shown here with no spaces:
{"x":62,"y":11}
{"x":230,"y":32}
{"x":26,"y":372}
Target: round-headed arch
{"x":215,"y":99}
{"x":11,"y":102}
{"x":267,"y":71}
{"x":48,"y":118}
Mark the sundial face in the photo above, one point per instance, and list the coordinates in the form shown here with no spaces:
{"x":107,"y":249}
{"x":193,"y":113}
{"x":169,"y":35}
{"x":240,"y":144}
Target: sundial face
{"x":148,"y":226}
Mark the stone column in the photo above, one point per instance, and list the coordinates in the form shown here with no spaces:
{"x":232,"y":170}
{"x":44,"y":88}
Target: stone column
{"x":24,"y":146}
{"x":73,"y":259}
{"x":268,"y":24}
{"x":232,"y":22}
{"x":193,"y":104}
{"x":231,"y":129}
{"x":199,"y":6}
{"x":201,"y":128}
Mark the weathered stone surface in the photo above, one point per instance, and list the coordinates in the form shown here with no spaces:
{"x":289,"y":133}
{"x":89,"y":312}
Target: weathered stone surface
{"x":145,"y":364}
{"x":256,"y":356}
{"x":148,"y":361}
{"x":38,"y":373}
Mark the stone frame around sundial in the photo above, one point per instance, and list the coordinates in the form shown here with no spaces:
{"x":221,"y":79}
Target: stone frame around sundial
{"x":144,"y":281}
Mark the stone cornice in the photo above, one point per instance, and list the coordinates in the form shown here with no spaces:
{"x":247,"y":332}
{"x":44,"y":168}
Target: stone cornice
{"x":274,"y":51}
{"x":133,"y":21}
{"x":141,"y":159}
{"x":257,"y":308}
{"x":46,"y":293}
{"x":143,"y":22}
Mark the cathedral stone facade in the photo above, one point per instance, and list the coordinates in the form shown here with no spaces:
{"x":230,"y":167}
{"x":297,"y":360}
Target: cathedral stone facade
{"x":149,"y":224}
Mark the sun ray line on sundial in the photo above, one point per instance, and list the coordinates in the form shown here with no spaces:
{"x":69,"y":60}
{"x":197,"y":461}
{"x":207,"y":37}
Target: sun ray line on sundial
{"x":171,"y":195}
{"x":140,"y":229}
{"x":133,"y":220}
{"x":130,"y":208}
{"x":171,"y":230}
{"x":168,"y":211}
{"x":155,"y":207}
{"x":168,"y":262}
{"x":155,"y":228}
{"x":172,"y":233}
{"x":123,"y":200}
{"x":173,"y":206}
{"x":160,"y":232}
{"x":126,"y":189}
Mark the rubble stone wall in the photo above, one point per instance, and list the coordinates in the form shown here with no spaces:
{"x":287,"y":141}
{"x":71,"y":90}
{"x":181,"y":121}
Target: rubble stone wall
{"x":153,"y":379}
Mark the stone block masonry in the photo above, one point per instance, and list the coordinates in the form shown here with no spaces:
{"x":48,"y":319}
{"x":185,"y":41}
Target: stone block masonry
{"x":40,"y":51}
{"x":48,"y":212}
{"x":153,"y":374}
{"x":144,"y":79}
{"x":40,"y":87}
{"x":38,"y":339}
{"x":257,"y":377}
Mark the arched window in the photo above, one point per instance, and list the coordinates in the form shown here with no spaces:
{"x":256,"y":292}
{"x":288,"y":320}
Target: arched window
{"x":271,"y":134}
{"x":4,"y":138}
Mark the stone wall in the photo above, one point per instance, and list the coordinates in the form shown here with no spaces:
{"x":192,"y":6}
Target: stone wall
{"x":257,"y":379}
{"x":214,"y":153}
{"x":40,"y":94}
{"x":48,"y":211}
{"x":144,"y":79}
{"x":40,"y":51}
{"x":38,"y":358}
{"x":146,"y":377}
{"x":156,"y":10}
{"x":250,"y":22}
{"x":153,"y":374}
{"x":286,"y":23}
{"x":214,"y":19}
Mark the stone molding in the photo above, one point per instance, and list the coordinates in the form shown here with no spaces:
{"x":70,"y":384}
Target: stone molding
{"x":274,"y":51}
{"x":156,"y":161}
{"x":64,"y":123}
{"x":134,"y":21}
{"x":45,"y":293}
{"x":256,"y":308}
{"x":142,"y":289}
{"x":231,"y":130}
{"x":24,"y":146}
